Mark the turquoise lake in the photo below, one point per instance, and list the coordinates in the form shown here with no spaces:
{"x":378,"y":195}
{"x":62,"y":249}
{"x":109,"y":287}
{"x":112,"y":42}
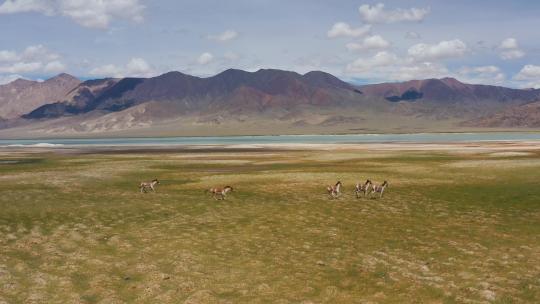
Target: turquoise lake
{"x":276,"y":139}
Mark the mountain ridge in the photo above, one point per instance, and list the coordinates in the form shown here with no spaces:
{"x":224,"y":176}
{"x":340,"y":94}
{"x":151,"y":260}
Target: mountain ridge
{"x":316,"y":101}
{"x":21,"y":96}
{"x":449,"y":89}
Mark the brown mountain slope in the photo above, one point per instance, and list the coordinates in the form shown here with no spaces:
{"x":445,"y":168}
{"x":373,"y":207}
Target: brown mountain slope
{"x":447,"y":90}
{"x":21,"y":96}
{"x":523,"y":116}
{"x":227,"y":91}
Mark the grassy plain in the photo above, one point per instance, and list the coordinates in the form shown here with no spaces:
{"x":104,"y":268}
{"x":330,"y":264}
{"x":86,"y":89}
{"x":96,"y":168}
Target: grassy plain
{"x":459,"y":225}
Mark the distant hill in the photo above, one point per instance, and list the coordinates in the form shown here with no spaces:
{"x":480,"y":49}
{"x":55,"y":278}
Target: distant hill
{"x":22,"y":96}
{"x":523,"y":116}
{"x":447,"y":90}
{"x":261,"y":102}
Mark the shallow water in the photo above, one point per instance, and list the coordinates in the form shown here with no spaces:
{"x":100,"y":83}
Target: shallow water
{"x":276,"y":139}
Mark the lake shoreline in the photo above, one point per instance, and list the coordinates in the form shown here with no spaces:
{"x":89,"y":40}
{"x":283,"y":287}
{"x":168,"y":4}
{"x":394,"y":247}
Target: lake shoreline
{"x":456,"y":147}
{"x":113,"y":137}
{"x":278,"y":140}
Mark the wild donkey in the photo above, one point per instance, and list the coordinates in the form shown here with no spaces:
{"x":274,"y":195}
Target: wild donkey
{"x":363,"y":188}
{"x":144,"y":186}
{"x":335,"y":190}
{"x":222,"y":192}
{"x":379,"y":189}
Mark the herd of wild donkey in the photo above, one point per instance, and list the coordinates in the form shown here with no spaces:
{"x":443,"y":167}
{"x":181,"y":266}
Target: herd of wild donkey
{"x":367,"y":189}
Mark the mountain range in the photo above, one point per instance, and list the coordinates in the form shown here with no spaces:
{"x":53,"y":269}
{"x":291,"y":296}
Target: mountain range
{"x":267,"y":101}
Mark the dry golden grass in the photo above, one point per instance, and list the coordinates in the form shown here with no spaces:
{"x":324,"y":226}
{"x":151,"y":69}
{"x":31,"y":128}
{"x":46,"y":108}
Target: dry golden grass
{"x":452,"y":228}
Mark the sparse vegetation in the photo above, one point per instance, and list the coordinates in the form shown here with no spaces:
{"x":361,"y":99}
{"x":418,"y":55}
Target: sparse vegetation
{"x":451,"y":228}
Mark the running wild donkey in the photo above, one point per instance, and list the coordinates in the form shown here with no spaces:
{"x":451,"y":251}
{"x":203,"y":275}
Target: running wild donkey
{"x":221,"y":192}
{"x":335,"y":190}
{"x":363,"y":188}
{"x":379,"y":189}
{"x":144,"y":186}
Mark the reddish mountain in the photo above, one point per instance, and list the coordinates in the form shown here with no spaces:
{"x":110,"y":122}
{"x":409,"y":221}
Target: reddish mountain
{"x":523,"y":116}
{"x":230,"y":89}
{"x":447,"y":90}
{"x":21,"y":96}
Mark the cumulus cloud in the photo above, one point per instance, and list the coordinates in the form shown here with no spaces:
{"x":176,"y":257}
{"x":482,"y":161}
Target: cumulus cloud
{"x":374,"y":42}
{"x":377,"y":14}
{"x":136,"y":67}
{"x":54,"y":67}
{"x":21,"y":67}
{"x":386,"y":66}
{"x":30,"y":53}
{"x":509,"y":49}
{"x":508,"y":44}
{"x":88,"y":13}
{"x":38,"y":52}
{"x":342,"y":29}
{"x":225,"y":36}
{"x":442,"y":50}
{"x":529,"y":72}
{"x":205,"y":58}
{"x":489,"y":74}
{"x":529,"y":76}
{"x":422,"y":70}
{"x":8,"y":56}
{"x":33,"y":59}
{"x":381,"y":59}
{"x":25,"y":6}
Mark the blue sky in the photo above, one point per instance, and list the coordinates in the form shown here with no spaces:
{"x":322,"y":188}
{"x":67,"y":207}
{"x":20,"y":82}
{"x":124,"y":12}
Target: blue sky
{"x":492,"y":42}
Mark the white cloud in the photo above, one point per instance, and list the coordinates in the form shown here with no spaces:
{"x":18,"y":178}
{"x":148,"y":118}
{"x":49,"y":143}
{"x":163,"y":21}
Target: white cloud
{"x":225,"y":36}
{"x":136,"y":67}
{"x":205,"y":58}
{"x":375,"y":42}
{"x":489,"y":74}
{"x":512,"y":54}
{"x":377,"y":14}
{"x":21,"y":67}
{"x":423,"y":70}
{"x":9,"y":78}
{"x":386,"y":66}
{"x":31,"y":53}
{"x":108,"y":70}
{"x":25,"y":6}
{"x":34,"y":58}
{"x":88,"y":13}
{"x":489,"y":69}
{"x":38,"y":52}
{"x":441,"y":50}
{"x":508,"y":44}
{"x":342,"y":29}
{"x":54,"y":67}
{"x":381,"y":59}
{"x":510,"y":49}
{"x":8,"y":56}
{"x":529,"y":72}
{"x":529,"y":76}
